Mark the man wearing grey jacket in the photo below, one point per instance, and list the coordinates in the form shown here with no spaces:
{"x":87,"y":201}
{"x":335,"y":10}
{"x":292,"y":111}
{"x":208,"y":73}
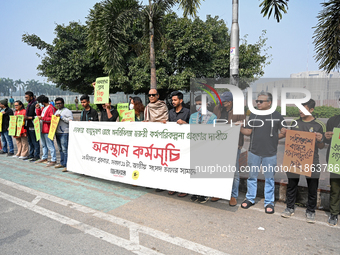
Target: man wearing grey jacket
{"x":62,"y":131}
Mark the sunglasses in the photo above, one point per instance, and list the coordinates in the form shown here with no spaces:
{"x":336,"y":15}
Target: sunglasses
{"x":261,"y":101}
{"x":152,"y":95}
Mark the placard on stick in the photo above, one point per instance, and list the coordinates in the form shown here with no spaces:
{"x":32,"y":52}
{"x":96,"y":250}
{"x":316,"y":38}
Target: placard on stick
{"x":0,"y":121}
{"x":299,"y":152}
{"x":102,"y":90}
{"x":36,"y":123}
{"x":20,"y":122}
{"x":128,"y":116}
{"x":12,"y":125}
{"x":121,"y":108}
{"x":334,"y":153}
{"x":53,"y":127}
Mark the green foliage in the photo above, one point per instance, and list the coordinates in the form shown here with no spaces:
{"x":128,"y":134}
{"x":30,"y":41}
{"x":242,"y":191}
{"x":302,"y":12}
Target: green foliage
{"x":325,"y":111}
{"x":279,"y":7}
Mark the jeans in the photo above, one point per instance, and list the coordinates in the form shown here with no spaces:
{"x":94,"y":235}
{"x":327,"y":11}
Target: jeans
{"x":7,"y":139}
{"x":48,"y":145}
{"x":34,"y":144}
{"x":268,"y":165}
{"x":236,"y":182}
{"x":62,"y":140}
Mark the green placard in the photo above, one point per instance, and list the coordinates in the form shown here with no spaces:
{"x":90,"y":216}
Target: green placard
{"x":334,"y":153}
{"x":20,"y":122}
{"x":128,"y":116}
{"x":0,"y":121}
{"x":102,"y":90}
{"x":12,"y":125}
{"x":36,"y":123}
{"x":121,"y":108}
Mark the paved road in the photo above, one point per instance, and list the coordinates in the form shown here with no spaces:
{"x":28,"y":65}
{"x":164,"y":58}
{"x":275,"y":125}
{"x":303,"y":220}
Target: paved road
{"x":45,"y":211}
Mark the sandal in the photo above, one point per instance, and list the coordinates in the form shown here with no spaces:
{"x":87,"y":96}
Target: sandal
{"x":270,"y":206}
{"x":249,"y":204}
{"x":172,"y":193}
{"x":182,"y":194}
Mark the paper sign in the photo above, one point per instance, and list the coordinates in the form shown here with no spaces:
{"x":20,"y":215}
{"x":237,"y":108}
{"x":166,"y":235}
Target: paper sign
{"x":20,"y":122}
{"x":102,"y":90}
{"x":121,"y":108}
{"x":12,"y":125}
{"x":334,"y":153}
{"x":53,"y":127}
{"x":36,"y":123}
{"x":0,"y":121}
{"x":299,"y":152}
{"x":128,"y":116}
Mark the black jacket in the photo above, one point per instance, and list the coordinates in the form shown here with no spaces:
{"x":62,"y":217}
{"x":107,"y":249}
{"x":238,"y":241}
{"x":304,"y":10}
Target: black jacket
{"x":103,"y":115}
{"x":92,"y":115}
{"x":5,"y":118}
{"x":30,"y":112}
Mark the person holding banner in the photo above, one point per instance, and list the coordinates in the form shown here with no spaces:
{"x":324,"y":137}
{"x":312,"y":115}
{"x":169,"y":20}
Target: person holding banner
{"x":137,"y":105}
{"x":34,"y":153}
{"x":21,"y":138}
{"x":306,"y":123}
{"x":156,"y":110}
{"x":264,"y":139}
{"x":5,"y":137}
{"x":45,"y":115}
{"x":334,"y":179}
{"x":88,"y":113}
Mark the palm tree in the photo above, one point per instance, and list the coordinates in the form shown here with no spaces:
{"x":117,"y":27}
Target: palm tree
{"x":20,"y":85}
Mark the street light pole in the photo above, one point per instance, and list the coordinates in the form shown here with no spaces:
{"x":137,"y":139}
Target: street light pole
{"x":234,"y":45}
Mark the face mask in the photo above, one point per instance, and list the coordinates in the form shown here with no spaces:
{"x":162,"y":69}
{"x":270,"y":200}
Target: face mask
{"x":198,"y":107}
{"x":41,"y":105}
{"x":131,"y":106}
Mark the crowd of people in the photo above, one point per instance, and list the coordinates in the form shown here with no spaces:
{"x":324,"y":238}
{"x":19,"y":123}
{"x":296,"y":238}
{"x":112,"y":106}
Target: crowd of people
{"x":262,"y":149}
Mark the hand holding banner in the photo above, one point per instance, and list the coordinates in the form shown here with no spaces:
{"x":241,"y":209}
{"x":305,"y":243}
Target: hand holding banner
{"x":334,"y":153}
{"x":36,"y":123}
{"x":102,"y":90}
{"x":299,"y":152}
{"x":20,"y":122}
{"x":53,"y":127}
{"x":12,"y":125}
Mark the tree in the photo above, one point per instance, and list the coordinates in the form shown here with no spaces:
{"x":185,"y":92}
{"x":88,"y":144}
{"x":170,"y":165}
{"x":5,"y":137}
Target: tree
{"x":66,"y":62}
{"x":20,"y":85}
{"x":7,"y":86}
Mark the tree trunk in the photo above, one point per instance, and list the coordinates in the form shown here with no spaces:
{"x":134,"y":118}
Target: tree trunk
{"x":153,"y":82}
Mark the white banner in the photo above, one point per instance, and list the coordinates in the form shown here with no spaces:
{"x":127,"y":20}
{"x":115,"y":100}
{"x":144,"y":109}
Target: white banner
{"x":156,"y":155}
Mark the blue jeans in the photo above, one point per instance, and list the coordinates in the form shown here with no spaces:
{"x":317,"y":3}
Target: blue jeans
{"x":48,"y":145}
{"x":268,"y":165}
{"x":62,"y":140}
{"x":236,"y":182}
{"x":34,"y":144}
{"x":7,"y":139}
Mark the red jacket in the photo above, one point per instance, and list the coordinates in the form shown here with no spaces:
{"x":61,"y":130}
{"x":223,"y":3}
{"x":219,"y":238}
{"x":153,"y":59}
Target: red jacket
{"x":46,"y":120}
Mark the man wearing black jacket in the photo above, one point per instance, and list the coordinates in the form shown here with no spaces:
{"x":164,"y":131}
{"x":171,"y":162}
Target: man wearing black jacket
{"x":88,"y":113}
{"x":6,"y":112}
{"x":34,"y":154}
{"x":108,"y":113}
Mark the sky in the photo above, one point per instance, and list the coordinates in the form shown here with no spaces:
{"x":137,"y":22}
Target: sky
{"x":291,"y":42}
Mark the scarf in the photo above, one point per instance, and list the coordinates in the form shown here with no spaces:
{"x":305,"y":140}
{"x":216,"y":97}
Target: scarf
{"x":156,"y":112}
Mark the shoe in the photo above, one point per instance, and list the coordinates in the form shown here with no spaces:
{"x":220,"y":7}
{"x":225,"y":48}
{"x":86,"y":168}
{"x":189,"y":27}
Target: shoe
{"x":159,"y":190}
{"x":202,"y":199}
{"x":310,"y":217}
{"x":214,"y":199}
{"x":23,"y":157}
{"x":287,"y":213}
{"x":10,"y":154}
{"x":182,"y":194}
{"x":333,"y":220}
{"x":28,"y":158}
{"x":64,"y":170}
{"x":40,"y":161}
{"x":34,"y":160}
{"x":15,"y":156}
{"x":232,"y":201}
{"x":52,"y":163}
{"x":2,"y":152}
{"x":194,"y":198}
{"x":58,"y":166}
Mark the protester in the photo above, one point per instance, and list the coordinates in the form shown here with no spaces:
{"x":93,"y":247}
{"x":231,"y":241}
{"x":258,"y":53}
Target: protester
{"x":62,"y":132}
{"x":88,"y":113}
{"x":264,"y":138}
{"x":107,"y":112}
{"x":76,"y":101}
{"x":11,"y":102}
{"x":156,"y":110}
{"x":137,"y":105}
{"x":225,"y":112}
{"x":199,"y":118}
{"x":334,"y":179}
{"x":5,"y":137}
{"x":44,"y":113}
{"x":306,"y":123}
{"x":21,"y":140}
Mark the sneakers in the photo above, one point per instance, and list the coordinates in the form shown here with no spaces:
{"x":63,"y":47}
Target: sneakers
{"x":2,"y":152}
{"x":58,"y":166}
{"x":23,"y":157}
{"x":310,"y":217}
{"x":52,"y":163}
{"x":194,"y":198}
{"x":202,"y":199}
{"x":34,"y":160}
{"x":10,"y":154}
{"x":15,"y":156}
{"x":287,"y":213}
{"x":333,"y":220}
{"x":40,"y":161}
